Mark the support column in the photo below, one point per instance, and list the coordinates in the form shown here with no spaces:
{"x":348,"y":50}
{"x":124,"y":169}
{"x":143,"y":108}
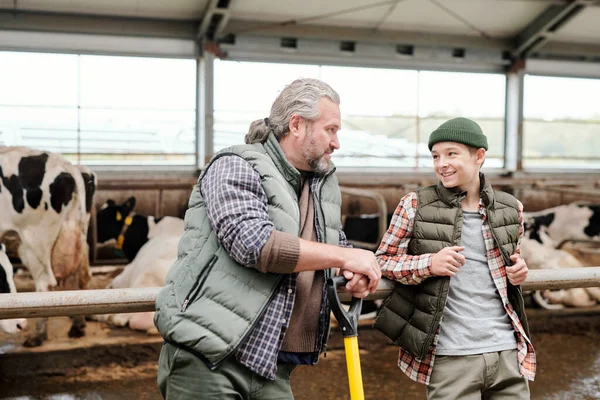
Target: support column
{"x":513,"y":120}
{"x":204,"y":108}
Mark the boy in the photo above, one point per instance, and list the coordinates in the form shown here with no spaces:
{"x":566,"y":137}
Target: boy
{"x":454,"y":249}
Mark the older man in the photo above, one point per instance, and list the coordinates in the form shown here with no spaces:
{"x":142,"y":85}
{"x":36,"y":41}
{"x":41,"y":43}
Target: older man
{"x":244,"y":304}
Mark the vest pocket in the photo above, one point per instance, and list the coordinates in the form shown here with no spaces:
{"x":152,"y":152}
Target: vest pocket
{"x":199,"y":282}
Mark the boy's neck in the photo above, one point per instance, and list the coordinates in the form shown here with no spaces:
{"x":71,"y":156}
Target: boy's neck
{"x":471,"y":201}
{"x":470,"y":204}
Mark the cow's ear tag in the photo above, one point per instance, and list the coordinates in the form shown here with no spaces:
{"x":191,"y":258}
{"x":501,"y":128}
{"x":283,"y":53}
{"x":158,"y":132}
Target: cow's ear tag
{"x":128,"y":220}
{"x":119,"y":216}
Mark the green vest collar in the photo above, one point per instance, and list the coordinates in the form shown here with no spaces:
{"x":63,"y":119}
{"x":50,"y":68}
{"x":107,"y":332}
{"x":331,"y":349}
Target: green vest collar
{"x":289,"y":172}
{"x":452,"y":196}
{"x":487,"y":193}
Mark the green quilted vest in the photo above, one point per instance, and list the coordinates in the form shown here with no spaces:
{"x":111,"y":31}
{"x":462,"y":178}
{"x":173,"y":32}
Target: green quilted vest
{"x":412,"y":313}
{"x":210,"y":302}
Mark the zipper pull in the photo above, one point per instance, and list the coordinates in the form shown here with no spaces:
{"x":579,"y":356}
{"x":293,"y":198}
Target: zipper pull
{"x":185,"y":304}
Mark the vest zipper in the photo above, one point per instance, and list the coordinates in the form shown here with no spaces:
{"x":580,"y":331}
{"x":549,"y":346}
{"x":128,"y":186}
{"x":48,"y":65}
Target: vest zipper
{"x":506,"y":262}
{"x":324,"y":228}
{"x":446,"y":284}
{"x":428,"y":343}
{"x":199,"y":282}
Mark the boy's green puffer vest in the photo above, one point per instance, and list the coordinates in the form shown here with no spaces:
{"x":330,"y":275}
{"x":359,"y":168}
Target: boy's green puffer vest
{"x":210,"y":302}
{"x":411,"y":314}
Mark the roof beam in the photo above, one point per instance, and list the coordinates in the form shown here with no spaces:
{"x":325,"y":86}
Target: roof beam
{"x":540,"y":30}
{"x":320,"y":32}
{"x":573,"y":51}
{"x":214,"y":21}
{"x":96,"y":24}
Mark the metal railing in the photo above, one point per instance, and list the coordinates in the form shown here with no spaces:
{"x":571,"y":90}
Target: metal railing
{"x":114,"y":301}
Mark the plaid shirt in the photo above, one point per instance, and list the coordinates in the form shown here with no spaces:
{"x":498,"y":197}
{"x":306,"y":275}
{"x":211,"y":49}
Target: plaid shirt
{"x":236,"y":205}
{"x":398,"y":265}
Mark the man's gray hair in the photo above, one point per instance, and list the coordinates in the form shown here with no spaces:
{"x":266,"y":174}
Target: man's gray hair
{"x":299,"y":97}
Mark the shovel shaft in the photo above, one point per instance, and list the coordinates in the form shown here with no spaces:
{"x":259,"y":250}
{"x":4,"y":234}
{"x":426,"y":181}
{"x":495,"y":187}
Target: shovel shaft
{"x":354,"y":371}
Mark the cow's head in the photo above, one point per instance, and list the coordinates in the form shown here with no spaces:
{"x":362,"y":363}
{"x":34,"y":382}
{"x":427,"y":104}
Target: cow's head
{"x":536,"y":228}
{"x":7,"y":285}
{"x":90,"y":180}
{"x":111,"y":217}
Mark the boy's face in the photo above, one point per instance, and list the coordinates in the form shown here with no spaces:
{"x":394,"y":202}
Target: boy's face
{"x":455,"y":165}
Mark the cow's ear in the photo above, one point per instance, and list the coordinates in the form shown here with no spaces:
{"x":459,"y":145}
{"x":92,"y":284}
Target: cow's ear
{"x":130,"y":203}
{"x":110,"y":202}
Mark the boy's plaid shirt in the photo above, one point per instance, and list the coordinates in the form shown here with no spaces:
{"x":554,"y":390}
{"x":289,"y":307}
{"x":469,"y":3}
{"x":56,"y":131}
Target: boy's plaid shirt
{"x":398,"y":265}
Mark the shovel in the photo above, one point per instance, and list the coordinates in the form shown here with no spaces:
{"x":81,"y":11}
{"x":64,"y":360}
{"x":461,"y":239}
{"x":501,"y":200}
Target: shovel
{"x":348,"y":322}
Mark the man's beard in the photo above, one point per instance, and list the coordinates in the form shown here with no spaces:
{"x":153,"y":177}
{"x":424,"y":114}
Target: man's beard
{"x":314,"y":157}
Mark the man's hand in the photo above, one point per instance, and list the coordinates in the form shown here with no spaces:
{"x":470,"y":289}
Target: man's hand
{"x":357,"y":285}
{"x":447,"y":261}
{"x":517,"y":273}
{"x":361,"y":263}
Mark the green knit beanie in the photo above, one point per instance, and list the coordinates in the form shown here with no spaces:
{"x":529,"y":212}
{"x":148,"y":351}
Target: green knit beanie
{"x":459,"y":130}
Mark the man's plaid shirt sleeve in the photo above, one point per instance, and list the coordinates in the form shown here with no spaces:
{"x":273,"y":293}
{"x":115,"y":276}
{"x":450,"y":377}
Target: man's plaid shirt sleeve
{"x":392,"y":255}
{"x":343,"y":241}
{"x":236,"y":206}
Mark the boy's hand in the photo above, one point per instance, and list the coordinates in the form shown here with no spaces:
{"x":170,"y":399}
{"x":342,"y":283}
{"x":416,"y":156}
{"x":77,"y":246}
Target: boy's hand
{"x":447,"y":261}
{"x":517,"y":273}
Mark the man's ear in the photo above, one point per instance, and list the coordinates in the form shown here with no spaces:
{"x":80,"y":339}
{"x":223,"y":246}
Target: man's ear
{"x":295,"y":123}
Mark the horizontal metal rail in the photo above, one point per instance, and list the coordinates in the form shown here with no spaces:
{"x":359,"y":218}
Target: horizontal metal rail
{"x":114,"y":301}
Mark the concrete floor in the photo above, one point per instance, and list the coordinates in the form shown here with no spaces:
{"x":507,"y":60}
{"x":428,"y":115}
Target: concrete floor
{"x":120,"y":364}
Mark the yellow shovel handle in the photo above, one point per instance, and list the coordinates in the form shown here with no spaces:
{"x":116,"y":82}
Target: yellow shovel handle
{"x":354,"y":371}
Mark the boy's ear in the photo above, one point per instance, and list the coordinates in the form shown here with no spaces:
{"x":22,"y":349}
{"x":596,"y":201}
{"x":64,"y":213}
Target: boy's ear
{"x":480,"y":156}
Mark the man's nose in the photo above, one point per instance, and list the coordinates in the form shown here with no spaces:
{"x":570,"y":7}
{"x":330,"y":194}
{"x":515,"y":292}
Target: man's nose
{"x":335,"y":143}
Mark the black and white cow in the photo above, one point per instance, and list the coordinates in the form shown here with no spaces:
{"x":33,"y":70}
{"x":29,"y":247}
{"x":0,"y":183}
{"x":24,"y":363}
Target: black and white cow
{"x":572,"y":221}
{"x":7,"y":286}
{"x":547,"y":229}
{"x":43,"y":199}
{"x":149,"y":268}
{"x":130,"y":230}
{"x":540,"y":256}
{"x":151,"y":246}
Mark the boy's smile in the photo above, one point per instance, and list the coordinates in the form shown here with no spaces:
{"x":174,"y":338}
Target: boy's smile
{"x":456,"y":165}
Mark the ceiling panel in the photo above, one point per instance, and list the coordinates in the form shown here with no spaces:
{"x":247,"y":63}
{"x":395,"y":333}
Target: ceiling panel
{"x":497,"y":18}
{"x":583,"y":28}
{"x":356,"y":13}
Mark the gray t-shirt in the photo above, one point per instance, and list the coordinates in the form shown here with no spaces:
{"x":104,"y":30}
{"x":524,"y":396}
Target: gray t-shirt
{"x":474,"y":320}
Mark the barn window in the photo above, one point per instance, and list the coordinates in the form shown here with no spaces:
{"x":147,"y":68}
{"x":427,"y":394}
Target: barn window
{"x":100,"y":109}
{"x":561,"y":127}
{"x":387,"y":114}
{"x":244,"y":92}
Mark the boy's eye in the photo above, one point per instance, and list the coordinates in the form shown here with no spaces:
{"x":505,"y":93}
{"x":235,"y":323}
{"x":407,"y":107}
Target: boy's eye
{"x":435,"y":157}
